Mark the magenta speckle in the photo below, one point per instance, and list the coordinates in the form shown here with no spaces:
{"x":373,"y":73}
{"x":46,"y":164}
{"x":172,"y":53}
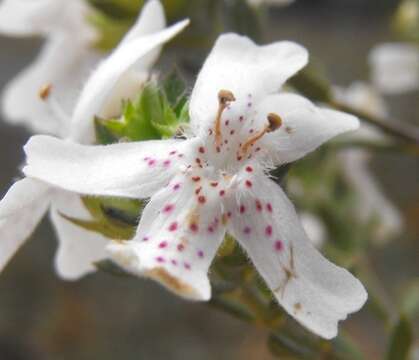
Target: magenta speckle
{"x":268,"y":230}
{"x":210,"y":229}
{"x":187,"y":266}
{"x":173,"y":226}
{"x":176,"y":187}
{"x":269,"y":207}
{"x":151,"y":162}
{"x":194,"y":227}
{"x":146,"y":238}
{"x":168,"y":208}
{"x":172,"y":152}
{"x":200,"y":254}
{"x":174,"y":262}
{"x":166,"y":163}
{"x":279,"y":245}
{"x":181,"y":247}
{"x":242,"y":209}
{"x":163,"y":245}
{"x":160,"y":259}
{"x":247,"y":230}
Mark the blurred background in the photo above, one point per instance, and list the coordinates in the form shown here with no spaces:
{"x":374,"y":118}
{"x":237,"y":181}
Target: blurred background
{"x":105,"y":317}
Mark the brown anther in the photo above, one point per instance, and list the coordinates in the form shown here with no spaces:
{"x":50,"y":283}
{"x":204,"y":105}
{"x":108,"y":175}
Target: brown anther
{"x":225,"y":97}
{"x":45,"y":91}
{"x":275,"y":122}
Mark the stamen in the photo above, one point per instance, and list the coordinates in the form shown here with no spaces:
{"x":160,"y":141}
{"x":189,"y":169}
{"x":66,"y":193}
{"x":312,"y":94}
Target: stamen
{"x":225,"y":97}
{"x":45,"y":95}
{"x":275,"y":123}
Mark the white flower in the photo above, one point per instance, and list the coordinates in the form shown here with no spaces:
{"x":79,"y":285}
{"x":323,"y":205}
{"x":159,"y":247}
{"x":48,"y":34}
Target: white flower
{"x":355,"y":162}
{"x":64,"y":61}
{"x":314,"y":228}
{"x":215,"y":182}
{"x":395,"y":67}
{"x":270,"y":2}
{"x":27,"y":200}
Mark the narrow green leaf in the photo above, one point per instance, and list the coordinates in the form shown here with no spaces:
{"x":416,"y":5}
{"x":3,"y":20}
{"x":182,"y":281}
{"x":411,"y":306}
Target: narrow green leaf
{"x":105,"y":228}
{"x":285,"y":347}
{"x":110,"y":267}
{"x":104,"y":133}
{"x":401,"y":340}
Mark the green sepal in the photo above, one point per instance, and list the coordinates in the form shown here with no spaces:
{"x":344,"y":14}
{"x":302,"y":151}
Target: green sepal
{"x":151,"y":117}
{"x":105,"y":228}
{"x":108,"y":266}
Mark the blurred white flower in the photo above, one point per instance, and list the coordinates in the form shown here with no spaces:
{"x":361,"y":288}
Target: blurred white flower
{"x":64,"y":60}
{"x":314,"y":227}
{"x":215,"y":181}
{"x":356,"y":162}
{"x":395,"y":67}
{"x":270,"y":2}
{"x":27,"y":200}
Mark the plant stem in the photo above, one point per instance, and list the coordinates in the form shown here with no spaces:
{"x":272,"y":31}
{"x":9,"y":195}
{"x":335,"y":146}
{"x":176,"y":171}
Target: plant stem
{"x":404,"y":131}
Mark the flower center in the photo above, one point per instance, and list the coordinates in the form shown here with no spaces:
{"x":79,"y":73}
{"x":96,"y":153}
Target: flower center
{"x":237,"y":129}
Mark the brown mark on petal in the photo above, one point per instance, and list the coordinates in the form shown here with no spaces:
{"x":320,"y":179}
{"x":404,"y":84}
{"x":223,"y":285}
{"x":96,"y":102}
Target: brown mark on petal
{"x":173,"y":283}
{"x":45,"y":91}
{"x":290,"y":273}
{"x":297,"y":308}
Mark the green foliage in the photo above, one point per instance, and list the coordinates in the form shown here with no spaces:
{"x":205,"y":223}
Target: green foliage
{"x":401,"y":340}
{"x":406,"y":20}
{"x":113,"y":218}
{"x":158,"y":113}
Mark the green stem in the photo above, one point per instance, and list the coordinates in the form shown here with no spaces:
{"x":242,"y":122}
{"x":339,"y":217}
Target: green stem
{"x":403,"y":131}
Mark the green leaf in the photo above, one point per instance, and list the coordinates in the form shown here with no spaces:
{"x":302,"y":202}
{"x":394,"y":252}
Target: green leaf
{"x":406,"y":20}
{"x":400,"y":341}
{"x":285,"y":347}
{"x":174,"y":87}
{"x":104,"y":132}
{"x":105,"y":228}
{"x":117,"y":8}
{"x":410,"y":299}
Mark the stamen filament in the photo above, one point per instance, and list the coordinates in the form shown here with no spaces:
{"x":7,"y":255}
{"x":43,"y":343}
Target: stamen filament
{"x":224,"y":99}
{"x":275,"y":123}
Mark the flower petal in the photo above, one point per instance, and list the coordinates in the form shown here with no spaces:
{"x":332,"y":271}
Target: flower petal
{"x":395,"y":67}
{"x":151,"y":20}
{"x":21,"y":210}
{"x":135,"y":170}
{"x":176,"y":241}
{"x":240,"y":66}
{"x":21,"y":195}
{"x":78,"y":248}
{"x":304,"y":126}
{"x":65,"y":71}
{"x":105,"y":78}
{"x":314,"y":291}
{"x":22,"y":18}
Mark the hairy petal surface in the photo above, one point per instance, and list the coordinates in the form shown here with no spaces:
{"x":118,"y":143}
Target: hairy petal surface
{"x":314,"y":291}
{"x":20,"y":211}
{"x":238,"y":65}
{"x":134,"y":170}
{"x":176,"y":241}
{"x":304,"y":126}
{"x":78,"y":249}
{"x":100,"y":85}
